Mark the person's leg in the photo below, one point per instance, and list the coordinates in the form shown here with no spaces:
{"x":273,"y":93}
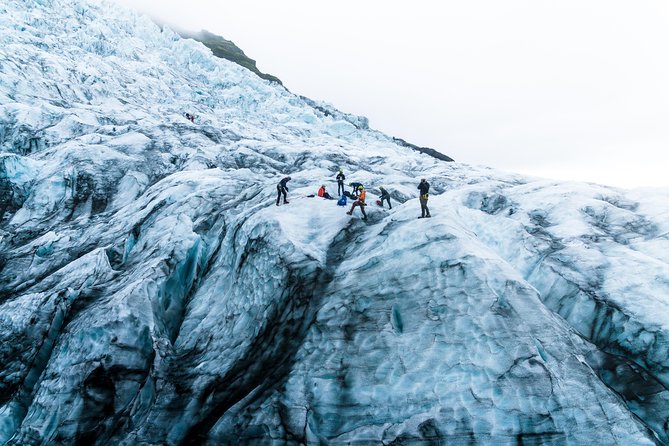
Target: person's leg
{"x":362,"y":209}
{"x":278,"y":194}
{"x":427,"y":211}
{"x":285,"y":197}
{"x":423,"y":206}
{"x":352,"y":207}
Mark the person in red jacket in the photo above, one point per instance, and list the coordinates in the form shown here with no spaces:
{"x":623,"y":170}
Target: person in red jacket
{"x":360,"y":202}
{"x":323,"y":193}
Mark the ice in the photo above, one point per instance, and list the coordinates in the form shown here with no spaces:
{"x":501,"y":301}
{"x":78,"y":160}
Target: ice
{"x":151,"y":292}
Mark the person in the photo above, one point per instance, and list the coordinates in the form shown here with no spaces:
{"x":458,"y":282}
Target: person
{"x":340,"y":182}
{"x":323,"y":193}
{"x":385,"y":196}
{"x":190,"y":117}
{"x":281,"y":188}
{"x":359,"y":202}
{"x":356,"y":187}
{"x":424,"y":187}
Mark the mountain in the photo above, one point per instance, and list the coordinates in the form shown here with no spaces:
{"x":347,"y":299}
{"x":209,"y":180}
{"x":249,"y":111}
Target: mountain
{"x":151,"y":291}
{"x":226,"y":49}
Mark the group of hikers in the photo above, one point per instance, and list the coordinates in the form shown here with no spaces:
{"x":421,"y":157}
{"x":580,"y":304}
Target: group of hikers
{"x":358,"y":193}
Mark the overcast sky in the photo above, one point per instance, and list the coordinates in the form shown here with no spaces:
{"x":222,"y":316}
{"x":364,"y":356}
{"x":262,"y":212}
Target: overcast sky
{"x":568,"y":89}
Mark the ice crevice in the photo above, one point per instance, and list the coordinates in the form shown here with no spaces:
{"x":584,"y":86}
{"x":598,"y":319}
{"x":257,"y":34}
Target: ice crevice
{"x":287,"y":315}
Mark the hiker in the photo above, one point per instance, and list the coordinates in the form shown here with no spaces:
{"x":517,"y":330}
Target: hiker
{"x":324,"y":194}
{"x":424,"y":187}
{"x":190,"y":117}
{"x":385,"y":196}
{"x":281,"y":188}
{"x":340,"y":182}
{"x":359,"y":202}
{"x":356,"y":187}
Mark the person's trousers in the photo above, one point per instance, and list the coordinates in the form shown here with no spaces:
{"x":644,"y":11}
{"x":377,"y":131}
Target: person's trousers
{"x":340,"y":188}
{"x":424,"y":211}
{"x":362,"y":207}
{"x":280,"y":190}
{"x":386,"y":199}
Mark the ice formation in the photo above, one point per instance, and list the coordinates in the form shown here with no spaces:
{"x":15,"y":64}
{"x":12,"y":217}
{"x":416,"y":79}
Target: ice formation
{"x":152,"y":293}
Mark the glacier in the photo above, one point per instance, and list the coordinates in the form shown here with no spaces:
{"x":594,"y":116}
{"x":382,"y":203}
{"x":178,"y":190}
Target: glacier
{"x":152,"y":293}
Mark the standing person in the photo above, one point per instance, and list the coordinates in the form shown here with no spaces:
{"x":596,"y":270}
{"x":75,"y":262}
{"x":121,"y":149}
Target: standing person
{"x":360,"y":202}
{"x":355,"y":187}
{"x":385,"y":196}
{"x":281,"y":188}
{"x":424,"y":187}
{"x":340,"y":182}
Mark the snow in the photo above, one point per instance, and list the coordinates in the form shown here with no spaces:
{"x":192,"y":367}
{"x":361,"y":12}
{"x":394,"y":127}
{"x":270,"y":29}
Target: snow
{"x":152,"y":292}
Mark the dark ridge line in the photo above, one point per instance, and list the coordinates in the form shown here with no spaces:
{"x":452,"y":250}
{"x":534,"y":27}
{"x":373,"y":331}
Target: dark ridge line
{"x":426,"y":150}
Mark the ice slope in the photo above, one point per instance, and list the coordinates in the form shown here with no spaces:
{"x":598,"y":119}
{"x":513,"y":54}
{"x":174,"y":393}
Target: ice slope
{"x":152,"y":293}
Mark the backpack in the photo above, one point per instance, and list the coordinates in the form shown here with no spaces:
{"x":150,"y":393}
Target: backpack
{"x":342,"y":201}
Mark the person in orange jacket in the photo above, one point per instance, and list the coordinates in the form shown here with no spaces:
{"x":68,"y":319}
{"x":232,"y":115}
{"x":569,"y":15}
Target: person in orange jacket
{"x":360,"y":202}
{"x":323,"y":193}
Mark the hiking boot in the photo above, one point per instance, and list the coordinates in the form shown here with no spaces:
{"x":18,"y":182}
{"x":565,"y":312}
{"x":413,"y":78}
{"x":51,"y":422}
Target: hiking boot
{"x":349,"y":213}
{"x":286,"y":202}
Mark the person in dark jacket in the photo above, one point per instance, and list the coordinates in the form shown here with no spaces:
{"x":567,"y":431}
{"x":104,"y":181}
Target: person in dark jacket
{"x":340,"y":182}
{"x":355,"y":187}
{"x":281,"y":188}
{"x":424,"y":188}
{"x":385,"y":196}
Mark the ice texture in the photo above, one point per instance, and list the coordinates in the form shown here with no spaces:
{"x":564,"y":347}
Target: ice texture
{"x":152,"y":293}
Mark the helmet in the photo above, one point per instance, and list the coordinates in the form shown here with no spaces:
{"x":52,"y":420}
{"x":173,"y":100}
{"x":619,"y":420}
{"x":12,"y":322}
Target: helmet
{"x":359,"y":187}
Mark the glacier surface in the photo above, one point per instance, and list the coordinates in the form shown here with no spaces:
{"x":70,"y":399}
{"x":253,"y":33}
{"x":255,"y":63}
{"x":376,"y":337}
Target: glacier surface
{"x":152,"y":293}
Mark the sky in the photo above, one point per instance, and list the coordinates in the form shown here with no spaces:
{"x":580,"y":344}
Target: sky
{"x":568,"y":89}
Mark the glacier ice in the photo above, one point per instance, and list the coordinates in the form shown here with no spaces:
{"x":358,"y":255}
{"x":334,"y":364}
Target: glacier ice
{"x":152,"y":293}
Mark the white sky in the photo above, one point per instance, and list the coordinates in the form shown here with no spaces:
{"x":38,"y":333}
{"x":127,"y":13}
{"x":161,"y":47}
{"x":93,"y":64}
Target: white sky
{"x":567,"y":89}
